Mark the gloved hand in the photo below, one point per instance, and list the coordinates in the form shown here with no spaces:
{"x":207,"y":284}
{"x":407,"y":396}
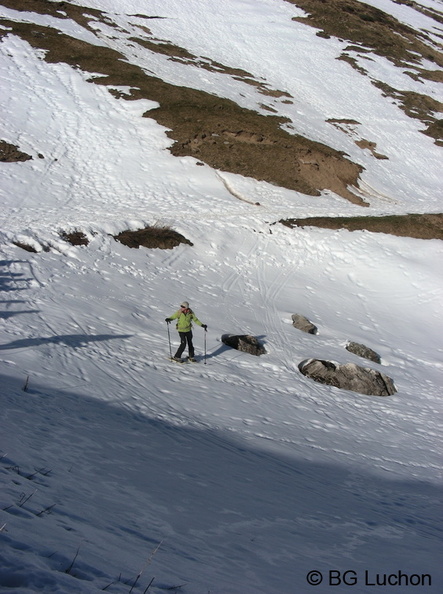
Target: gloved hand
{"x":205,"y":327}
{"x":168,"y":320}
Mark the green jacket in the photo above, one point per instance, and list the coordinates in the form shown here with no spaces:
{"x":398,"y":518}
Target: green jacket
{"x":185,"y":319}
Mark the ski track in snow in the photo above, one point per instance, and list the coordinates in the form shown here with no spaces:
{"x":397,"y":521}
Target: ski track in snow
{"x":114,"y":350}
{"x":260,"y":286}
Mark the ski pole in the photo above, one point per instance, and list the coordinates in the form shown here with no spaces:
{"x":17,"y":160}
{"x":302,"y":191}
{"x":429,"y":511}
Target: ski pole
{"x":169,"y":341}
{"x":205,"y":345}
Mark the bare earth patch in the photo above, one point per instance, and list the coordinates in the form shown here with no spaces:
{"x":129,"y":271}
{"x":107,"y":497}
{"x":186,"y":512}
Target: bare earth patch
{"x":369,"y":28}
{"x":10,"y":153}
{"x":350,"y":127}
{"x":366,"y":25}
{"x":152,"y":237}
{"x":25,"y":246}
{"x":419,"y":226}
{"x":204,"y":126}
{"x":74,"y":237}
{"x":182,"y":55}
{"x":219,"y":132}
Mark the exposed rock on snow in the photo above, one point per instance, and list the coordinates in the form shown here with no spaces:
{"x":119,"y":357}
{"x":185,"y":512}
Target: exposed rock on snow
{"x":244,"y":342}
{"x":348,"y":377}
{"x":363,"y":351}
{"x":302,"y":323}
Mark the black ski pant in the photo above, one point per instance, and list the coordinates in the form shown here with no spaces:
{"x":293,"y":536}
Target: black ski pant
{"x":185,"y":339}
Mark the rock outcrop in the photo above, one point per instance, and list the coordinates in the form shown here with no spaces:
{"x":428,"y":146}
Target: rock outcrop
{"x":363,"y":351}
{"x":244,"y":342}
{"x":303,"y":324}
{"x":348,"y":377}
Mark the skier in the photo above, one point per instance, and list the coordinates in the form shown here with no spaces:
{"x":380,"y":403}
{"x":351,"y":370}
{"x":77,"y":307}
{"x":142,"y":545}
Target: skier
{"x":185,"y":316}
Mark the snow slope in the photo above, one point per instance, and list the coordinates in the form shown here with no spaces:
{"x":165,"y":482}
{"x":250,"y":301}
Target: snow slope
{"x":237,"y":475}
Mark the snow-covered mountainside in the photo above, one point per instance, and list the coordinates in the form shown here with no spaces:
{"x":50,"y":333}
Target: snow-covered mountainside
{"x":209,"y":124}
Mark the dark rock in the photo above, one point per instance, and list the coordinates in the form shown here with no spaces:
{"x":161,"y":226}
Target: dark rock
{"x":348,"y":377}
{"x":363,"y":351}
{"x":244,"y":342}
{"x":302,"y":323}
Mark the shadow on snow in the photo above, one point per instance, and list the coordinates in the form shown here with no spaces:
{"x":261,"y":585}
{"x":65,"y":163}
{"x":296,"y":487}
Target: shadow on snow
{"x":71,"y":340}
{"x":227,"y":512}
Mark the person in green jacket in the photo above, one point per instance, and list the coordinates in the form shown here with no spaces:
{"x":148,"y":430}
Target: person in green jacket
{"x":185,"y":316}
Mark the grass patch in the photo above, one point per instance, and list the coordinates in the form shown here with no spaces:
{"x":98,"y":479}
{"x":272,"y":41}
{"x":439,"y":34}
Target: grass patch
{"x":419,"y":226}
{"x":198,"y":121}
{"x":419,"y":106}
{"x":10,"y":153}
{"x":25,"y":246}
{"x":163,"y":238}
{"x":363,"y":24}
{"x":368,"y":27}
{"x":74,"y":237}
{"x":180,"y":54}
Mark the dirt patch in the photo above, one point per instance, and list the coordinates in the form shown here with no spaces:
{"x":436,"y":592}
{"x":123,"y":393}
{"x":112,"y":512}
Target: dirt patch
{"x":25,"y":246}
{"x":12,"y":154}
{"x":182,"y":55}
{"x":370,"y":146}
{"x":419,"y":226}
{"x":350,"y":127}
{"x":371,"y":27}
{"x":74,"y":237}
{"x":435,"y":130}
{"x":229,"y":138}
{"x":428,"y":11}
{"x":416,"y":105}
{"x":204,"y":126}
{"x":60,"y":10}
{"x":152,"y":237}
{"x":368,"y":27}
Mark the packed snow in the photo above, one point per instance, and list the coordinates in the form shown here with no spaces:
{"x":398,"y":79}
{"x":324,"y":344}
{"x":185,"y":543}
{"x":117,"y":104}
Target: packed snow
{"x":122,"y":471}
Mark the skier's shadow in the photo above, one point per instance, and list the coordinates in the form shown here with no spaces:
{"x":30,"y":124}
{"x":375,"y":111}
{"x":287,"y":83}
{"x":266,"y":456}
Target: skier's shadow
{"x":221,"y":349}
{"x":71,"y":340}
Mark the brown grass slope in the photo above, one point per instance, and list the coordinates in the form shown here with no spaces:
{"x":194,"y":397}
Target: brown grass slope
{"x":370,"y":29}
{"x":230,"y":138}
{"x":210,"y":128}
{"x":419,"y":226}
